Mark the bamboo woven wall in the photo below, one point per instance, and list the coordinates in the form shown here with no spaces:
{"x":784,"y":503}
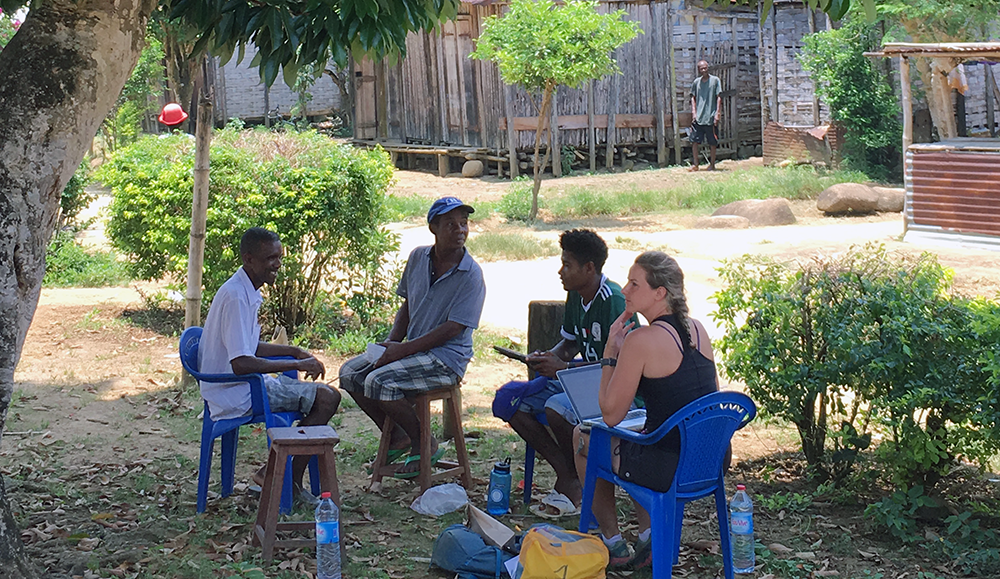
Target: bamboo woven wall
{"x":789,"y":100}
{"x":437,"y":95}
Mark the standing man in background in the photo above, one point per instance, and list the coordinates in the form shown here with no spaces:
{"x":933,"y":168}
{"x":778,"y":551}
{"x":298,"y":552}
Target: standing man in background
{"x":706,"y":106}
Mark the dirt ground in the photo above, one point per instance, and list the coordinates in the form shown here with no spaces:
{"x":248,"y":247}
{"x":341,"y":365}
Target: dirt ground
{"x":101,"y":447}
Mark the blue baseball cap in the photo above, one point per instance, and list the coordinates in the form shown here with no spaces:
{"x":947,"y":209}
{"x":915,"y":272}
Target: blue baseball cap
{"x":446,"y":204}
{"x":509,"y":397}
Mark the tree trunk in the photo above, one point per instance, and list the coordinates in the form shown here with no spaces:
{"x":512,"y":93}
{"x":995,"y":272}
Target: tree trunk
{"x":543,"y":114}
{"x":79,"y":55}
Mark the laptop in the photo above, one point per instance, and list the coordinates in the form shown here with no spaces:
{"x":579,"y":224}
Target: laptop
{"x":582,"y":385}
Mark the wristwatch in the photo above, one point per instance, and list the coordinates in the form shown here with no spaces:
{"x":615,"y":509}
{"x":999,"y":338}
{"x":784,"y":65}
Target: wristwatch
{"x":609,"y":362}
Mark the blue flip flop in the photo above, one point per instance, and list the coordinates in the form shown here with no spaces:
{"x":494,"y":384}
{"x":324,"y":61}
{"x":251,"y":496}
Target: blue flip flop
{"x":416,"y":458}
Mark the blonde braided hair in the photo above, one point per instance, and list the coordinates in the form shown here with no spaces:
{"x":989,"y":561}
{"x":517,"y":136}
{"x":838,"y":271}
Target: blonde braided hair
{"x":663,"y":271}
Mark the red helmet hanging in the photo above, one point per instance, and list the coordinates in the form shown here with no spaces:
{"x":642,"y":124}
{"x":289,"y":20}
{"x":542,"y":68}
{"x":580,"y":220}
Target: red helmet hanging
{"x":172,"y":114}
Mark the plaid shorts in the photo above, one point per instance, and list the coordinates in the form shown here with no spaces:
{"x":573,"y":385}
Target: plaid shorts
{"x":420,"y":372}
{"x":290,"y":395}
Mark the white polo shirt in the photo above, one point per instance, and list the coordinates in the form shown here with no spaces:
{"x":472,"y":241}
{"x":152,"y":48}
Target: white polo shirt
{"x":231,"y":330}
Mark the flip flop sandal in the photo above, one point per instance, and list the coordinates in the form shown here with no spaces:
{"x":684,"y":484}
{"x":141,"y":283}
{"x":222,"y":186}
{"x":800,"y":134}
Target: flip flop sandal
{"x":554,"y":506}
{"x":393,"y":455}
{"x":415,"y":458}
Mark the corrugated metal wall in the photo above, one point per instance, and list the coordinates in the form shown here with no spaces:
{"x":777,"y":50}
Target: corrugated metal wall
{"x":953,"y":187}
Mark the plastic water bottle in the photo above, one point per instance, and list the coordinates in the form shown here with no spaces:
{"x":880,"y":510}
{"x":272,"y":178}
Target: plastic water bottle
{"x":327,"y":538}
{"x":498,"y":497}
{"x":741,"y":530}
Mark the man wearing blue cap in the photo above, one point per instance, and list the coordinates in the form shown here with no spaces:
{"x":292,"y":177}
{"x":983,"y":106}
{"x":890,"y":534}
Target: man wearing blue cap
{"x":430,"y":343}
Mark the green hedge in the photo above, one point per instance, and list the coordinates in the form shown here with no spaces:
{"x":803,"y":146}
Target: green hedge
{"x":326,"y":201}
{"x":866,"y":342}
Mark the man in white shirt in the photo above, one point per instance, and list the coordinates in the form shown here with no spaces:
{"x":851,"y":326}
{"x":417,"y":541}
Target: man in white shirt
{"x":230,"y":343}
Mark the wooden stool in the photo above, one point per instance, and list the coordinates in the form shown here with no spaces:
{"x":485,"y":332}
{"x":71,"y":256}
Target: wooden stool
{"x":452,"y":412}
{"x":286,"y":442}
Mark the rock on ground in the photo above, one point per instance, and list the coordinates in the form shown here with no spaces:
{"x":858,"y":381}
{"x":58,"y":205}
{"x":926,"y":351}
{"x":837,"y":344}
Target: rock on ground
{"x":848,"y":198}
{"x":722,"y":222}
{"x":760,"y":212}
{"x":473,"y":168}
{"x":890,"y":199}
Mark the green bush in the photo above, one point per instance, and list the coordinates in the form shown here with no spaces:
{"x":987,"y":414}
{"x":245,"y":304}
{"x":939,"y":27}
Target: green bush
{"x":325,"y":200}
{"x":67,"y":264}
{"x":866,"y":341}
{"x":515,"y":205}
{"x":860,"y":99}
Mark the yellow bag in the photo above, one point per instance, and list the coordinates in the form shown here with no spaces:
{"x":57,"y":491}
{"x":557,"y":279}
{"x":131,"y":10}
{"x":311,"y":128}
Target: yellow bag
{"x":549,"y":552}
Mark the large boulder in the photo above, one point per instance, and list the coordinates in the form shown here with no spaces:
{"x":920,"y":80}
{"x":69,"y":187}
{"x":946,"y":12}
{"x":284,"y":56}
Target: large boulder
{"x":722,"y":222}
{"x":760,"y":212}
{"x":473,"y":168}
{"x":848,"y":198}
{"x":890,"y":199}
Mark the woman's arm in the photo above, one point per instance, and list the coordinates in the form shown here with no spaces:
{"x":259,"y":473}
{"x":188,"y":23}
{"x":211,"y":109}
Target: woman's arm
{"x":620,"y":382}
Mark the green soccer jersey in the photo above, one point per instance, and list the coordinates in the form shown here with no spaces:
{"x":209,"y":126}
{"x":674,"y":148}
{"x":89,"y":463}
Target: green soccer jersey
{"x":588,"y":324}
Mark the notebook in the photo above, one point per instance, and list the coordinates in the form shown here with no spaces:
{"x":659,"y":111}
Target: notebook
{"x":582,"y":385}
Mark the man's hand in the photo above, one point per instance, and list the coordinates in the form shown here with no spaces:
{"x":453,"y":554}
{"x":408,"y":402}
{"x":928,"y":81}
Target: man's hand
{"x":717,"y":116}
{"x":545,"y":363}
{"x":393,"y":351}
{"x":312,"y":368}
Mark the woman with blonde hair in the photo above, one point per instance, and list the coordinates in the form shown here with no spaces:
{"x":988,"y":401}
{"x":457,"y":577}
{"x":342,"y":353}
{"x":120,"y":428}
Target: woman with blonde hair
{"x":669,"y":363}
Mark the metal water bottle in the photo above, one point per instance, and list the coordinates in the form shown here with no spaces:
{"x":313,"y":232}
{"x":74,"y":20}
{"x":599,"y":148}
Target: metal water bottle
{"x":741,"y":531}
{"x":498,"y":497}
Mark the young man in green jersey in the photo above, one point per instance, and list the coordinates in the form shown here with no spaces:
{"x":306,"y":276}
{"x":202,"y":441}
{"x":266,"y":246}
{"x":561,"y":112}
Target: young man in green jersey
{"x":593,"y":302}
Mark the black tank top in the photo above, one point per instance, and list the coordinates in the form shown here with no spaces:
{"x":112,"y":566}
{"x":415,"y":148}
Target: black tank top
{"x":664,"y":396}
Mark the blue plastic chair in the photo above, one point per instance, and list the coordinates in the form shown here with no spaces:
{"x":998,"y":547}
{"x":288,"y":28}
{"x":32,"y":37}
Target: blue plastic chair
{"x":529,"y":461}
{"x":706,"y":427}
{"x":229,"y":429}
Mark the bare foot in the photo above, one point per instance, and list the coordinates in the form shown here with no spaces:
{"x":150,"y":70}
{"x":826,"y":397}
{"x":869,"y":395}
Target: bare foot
{"x":711,"y":167}
{"x":693,"y":168}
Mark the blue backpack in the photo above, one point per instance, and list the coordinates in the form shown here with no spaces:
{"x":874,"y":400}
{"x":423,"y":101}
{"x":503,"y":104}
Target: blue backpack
{"x":460,"y":550}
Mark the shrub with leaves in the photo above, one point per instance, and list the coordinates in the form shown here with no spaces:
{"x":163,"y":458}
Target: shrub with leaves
{"x":324,"y":199}
{"x":842,"y":346}
{"x":860,"y":99}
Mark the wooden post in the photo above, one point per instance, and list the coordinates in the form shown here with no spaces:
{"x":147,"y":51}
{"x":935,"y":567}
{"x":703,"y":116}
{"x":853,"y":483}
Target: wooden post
{"x":544,"y":323}
{"x":442,"y":90}
{"x":267,"y":109}
{"x":962,"y":121}
{"x":811,"y":17}
{"x":381,"y":102}
{"x":199,"y":212}
{"x":675,"y":120}
{"x":774,"y":64}
{"x":609,"y":146}
{"x":508,"y":105}
{"x":697,"y":40}
{"x":554,"y":135}
{"x":734,"y":110}
{"x":591,"y":133}
{"x":990,"y":102}
{"x":904,"y":80}
{"x":764,"y":111}
{"x":656,"y":65}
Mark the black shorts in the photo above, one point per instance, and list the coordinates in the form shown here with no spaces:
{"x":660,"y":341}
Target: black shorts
{"x":704,"y":134}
